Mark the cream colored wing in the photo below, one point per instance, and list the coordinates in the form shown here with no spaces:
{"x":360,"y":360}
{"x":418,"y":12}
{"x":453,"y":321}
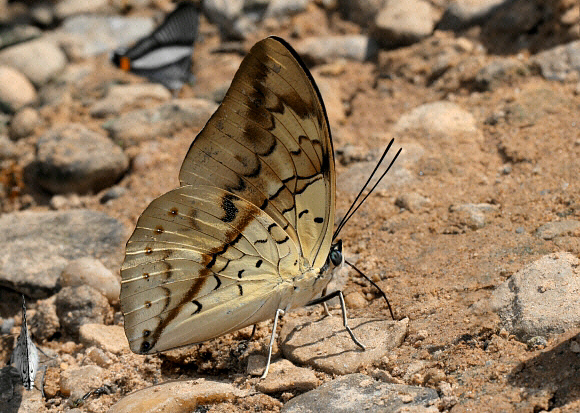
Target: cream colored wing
{"x":202,"y":262}
{"x":269,"y":143}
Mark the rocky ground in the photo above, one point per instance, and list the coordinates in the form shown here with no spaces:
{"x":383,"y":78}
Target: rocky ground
{"x":474,"y":235}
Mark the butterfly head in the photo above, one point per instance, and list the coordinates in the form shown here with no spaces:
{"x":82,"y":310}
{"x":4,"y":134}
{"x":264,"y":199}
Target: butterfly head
{"x":335,"y":257}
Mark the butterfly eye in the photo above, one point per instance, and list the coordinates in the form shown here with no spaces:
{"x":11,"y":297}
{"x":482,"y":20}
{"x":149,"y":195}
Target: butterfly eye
{"x":336,"y":257}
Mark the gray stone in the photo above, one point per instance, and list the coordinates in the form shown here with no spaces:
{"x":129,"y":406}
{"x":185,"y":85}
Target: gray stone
{"x":76,"y":306}
{"x":362,"y":12}
{"x":400,"y":23}
{"x":462,"y":14}
{"x":324,"y":49}
{"x":474,"y":214}
{"x":87,"y":36}
{"x":281,"y":8}
{"x":361,"y":393}
{"x":73,"y":158}
{"x":90,"y":271}
{"x":82,"y":379}
{"x":173,"y":396}
{"x":120,"y":96}
{"x":224,"y":14}
{"x":552,"y":230}
{"x":412,"y":201}
{"x":23,"y":123}
{"x":114,"y":192}
{"x":108,"y":338}
{"x":16,"y":90}
{"x":68,"y":8}
{"x":36,"y":246}
{"x":39,"y":60}
{"x":44,"y":324}
{"x":144,"y":124}
{"x":327,"y":346}
{"x":283,"y":376}
{"x":499,"y":72}
{"x":541,"y":299}
{"x":559,"y":62}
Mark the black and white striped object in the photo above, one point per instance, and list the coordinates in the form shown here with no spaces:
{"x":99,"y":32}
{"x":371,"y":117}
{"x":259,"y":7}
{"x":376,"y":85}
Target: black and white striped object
{"x":165,"y":55}
{"x":25,"y":355}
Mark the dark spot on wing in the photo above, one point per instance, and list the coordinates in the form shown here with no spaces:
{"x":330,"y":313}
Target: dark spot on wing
{"x":198,"y":304}
{"x":240,"y":273}
{"x":229,"y":208}
{"x":302,"y":213}
{"x":241,"y":290}
{"x":218,"y":282}
{"x":259,"y":263}
{"x":319,"y":220}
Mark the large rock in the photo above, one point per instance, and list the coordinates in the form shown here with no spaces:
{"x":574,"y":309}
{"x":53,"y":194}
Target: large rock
{"x":542,"y":298}
{"x":39,"y":60}
{"x":73,"y":158}
{"x":77,"y":306}
{"x":36,"y":246}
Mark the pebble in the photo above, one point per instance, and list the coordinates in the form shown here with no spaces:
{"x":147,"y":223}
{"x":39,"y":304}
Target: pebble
{"x":362,"y":12}
{"x":40,"y":60}
{"x":541,"y":299}
{"x":553,"y":230}
{"x":499,"y":72}
{"x":8,"y":149}
{"x":90,"y":271}
{"x":281,"y":8}
{"x":473,"y":214}
{"x":283,"y":376}
{"x":114,"y":192}
{"x":177,"y":396}
{"x":330,"y":91}
{"x":86,"y":36}
{"x":24,"y":122}
{"x":44,"y":324}
{"x":163,"y":120}
{"x":460,"y":15}
{"x":325,"y":49}
{"x":109,"y":338}
{"x":537,"y":343}
{"x":120,"y":96}
{"x":81,"y":379}
{"x":559,"y":62}
{"x":76,"y":306}
{"x":96,"y":355}
{"x":72,"y":158}
{"x":361,"y":393}
{"x":68,"y":8}
{"x":36,"y":246}
{"x":16,"y":91}
{"x":400,"y":23}
{"x":412,"y":201}
{"x":355,"y":300}
{"x":327,"y":346}
{"x":11,"y":35}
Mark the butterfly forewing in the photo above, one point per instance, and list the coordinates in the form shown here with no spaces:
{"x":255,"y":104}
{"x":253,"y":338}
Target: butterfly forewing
{"x":252,"y":218}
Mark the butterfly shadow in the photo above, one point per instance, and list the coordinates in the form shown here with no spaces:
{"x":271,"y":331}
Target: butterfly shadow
{"x":555,"y":372}
{"x":11,"y":390}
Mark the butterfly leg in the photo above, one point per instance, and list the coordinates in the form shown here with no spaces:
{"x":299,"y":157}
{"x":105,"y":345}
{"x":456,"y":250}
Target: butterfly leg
{"x":338,"y":294}
{"x":43,"y":368}
{"x":326,"y":312}
{"x":279,"y":312}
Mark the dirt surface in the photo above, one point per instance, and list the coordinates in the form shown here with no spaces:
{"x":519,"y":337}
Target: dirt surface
{"x":431,"y":262}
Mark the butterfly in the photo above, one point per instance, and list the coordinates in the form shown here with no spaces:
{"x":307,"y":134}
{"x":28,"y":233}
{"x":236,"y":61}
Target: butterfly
{"x":25,"y":354}
{"x":249,"y":233}
{"x":165,"y":55}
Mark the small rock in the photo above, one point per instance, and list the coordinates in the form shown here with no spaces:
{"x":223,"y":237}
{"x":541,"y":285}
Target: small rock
{"x":87,"y":35}
{"x":90,"y":271}
{"x":44,"y":324}
{"x":355,"y":300}
{"x":575,"y":347}
{"x":76,"y":306}
{"x":82,"y":379}
{"x":559,"y":62}
{"x":360,"y":393}
{"x":120,"y":96}
{"x":285,"y":376}
{"x":537,"y":343}
{"x":114,"y":192}
{"x":19,"y":33}
{"x":108,"y":338}
{"x":412,"y":201}
{"x":16,"y":90}
{"x":498,"y":72}
{"x":324,"y":49}
{"x":362,"y":12}
{"x":73,"y":158}
{"x":330,"y":91}
{"x":68,"y":201}
{"x":7,"y":148}
{"x":460,"y":15}
{"x":473,"y":214}
{"x":36,"y":246}
{"x":23,"y":123}
{"x":67,"y":8}
{"x":177,"y":396}
{"x":552,"y":230}
{"x":163,"y":120}
{"x":281,"y":8}
{"x":39,"y":60}
{"x":97,"y":355}
{"x":541,"y":299}
{"x":327,"y":346}
{"x":400,"y":23}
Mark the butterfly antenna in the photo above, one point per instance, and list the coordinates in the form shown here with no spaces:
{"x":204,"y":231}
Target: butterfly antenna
{"x":352,"y":210}
{"x":374,"y":284}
